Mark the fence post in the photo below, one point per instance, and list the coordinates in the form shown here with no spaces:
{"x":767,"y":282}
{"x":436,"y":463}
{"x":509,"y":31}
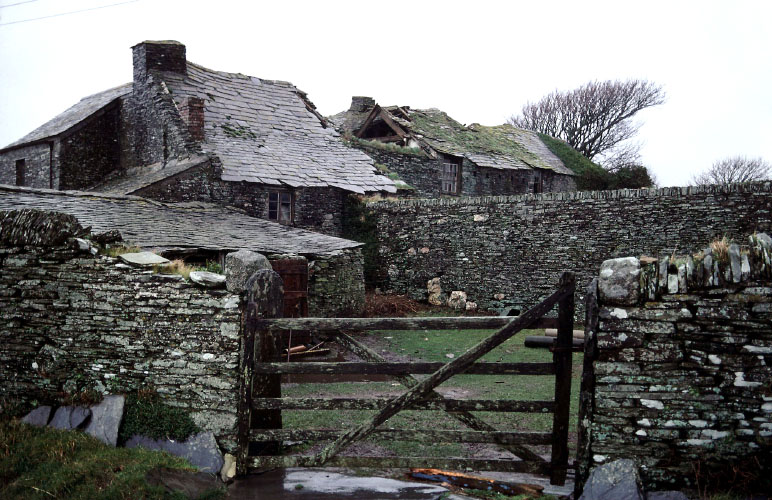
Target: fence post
{"x":265,"y":298}
{"x":562,"y":358}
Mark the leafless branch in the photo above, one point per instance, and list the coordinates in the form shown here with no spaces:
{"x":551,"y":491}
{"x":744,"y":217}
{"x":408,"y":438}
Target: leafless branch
{"x":734,"y":169}
{"x":596,"y":118}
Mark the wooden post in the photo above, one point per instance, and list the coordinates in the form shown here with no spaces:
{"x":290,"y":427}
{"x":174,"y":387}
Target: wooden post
{"x":265,"y":298}
{"x":562,"y":358}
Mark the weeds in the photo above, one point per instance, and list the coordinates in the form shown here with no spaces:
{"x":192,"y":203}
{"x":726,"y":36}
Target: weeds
{"x":720,"y":249}
{"x":116,"y":250}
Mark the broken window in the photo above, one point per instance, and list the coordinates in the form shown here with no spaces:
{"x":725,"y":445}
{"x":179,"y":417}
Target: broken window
{"x":451,"y":176}
{"x":538,"y":182}
{"x":280,"y":206}
{"x":21,"y":172}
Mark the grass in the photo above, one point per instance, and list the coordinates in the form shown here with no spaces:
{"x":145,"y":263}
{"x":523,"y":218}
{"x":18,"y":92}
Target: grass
{"x":494,"y":495}
{"x":437,"y":346}
{"x":720,"y":249}
{"x":44,"y":463}
{"x":146,"y":414}
{"x":116,"y":250}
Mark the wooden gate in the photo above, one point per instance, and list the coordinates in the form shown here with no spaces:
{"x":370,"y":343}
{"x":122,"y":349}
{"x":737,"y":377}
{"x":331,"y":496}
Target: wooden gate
{"x":260,"y":432}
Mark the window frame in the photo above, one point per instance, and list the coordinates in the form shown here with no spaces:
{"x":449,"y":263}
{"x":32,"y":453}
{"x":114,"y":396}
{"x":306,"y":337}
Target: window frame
{"x":450,"y":176}
{"x":282,"y":197}
{"x":21,"y":172}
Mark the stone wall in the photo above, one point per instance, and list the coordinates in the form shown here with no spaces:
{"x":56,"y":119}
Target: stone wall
{"x":37,"y":165}
{"x":317,"y":209}
{"x":71,"y":320}
{"x":89,"y":154}
{"x":509,"y":252}
{"x":678,"y":365}
{"x":336,"y":285}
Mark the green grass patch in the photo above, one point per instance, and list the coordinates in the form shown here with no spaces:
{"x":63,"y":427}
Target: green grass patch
{"x":44,"y":463}
{"x":146,"y":414}
{"x":116,"y":250}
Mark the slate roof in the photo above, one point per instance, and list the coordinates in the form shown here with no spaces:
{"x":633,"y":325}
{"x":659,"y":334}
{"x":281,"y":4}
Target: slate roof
{"x":142,"y":177}
{"x":503,"y":147}
{"x":151,"y":224}
{"x":267,"y":132}
{"x":74,"y":115}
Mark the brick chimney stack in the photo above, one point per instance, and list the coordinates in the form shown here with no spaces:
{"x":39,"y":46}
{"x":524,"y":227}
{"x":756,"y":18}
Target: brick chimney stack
{"x":192,"y":113}
{"x":164,"y":55}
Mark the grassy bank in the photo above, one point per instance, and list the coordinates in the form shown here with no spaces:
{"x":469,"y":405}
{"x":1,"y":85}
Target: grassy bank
{"x":45,"y":463}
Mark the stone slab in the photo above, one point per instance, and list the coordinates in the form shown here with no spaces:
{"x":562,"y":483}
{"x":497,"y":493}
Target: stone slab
{"x":38,"y":417}
{"x":106,"y":419}
{"x":69,"y":417}
{"x":617,"y":480}
{"x":207,"y":279}
{"x":200,"y":450}
{"x":143,"y":259}
{"x":619,"y":281}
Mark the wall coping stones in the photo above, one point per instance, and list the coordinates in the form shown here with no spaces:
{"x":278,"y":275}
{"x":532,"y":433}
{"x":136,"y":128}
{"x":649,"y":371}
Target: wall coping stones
{"x":670,"y":192}
{"x":626,"y":281}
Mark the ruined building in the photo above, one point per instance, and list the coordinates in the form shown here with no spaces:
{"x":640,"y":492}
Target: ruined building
{"x":182,"y":132}
{"x":436,"y":155}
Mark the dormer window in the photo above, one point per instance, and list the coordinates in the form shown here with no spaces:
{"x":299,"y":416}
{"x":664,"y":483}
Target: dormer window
{"x":280,"y":206}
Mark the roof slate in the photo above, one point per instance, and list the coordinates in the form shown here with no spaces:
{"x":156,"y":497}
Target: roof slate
{"x":74,"y":115}
{"x":150,"y":224}
{"x":142,"y":177}
{"x":265,"y":131}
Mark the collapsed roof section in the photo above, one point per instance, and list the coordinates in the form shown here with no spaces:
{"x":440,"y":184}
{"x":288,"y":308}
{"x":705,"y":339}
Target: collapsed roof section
{"x":503,"y":147}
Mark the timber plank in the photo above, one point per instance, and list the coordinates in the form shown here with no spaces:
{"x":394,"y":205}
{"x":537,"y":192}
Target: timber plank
{"x":263,"y":462}
{"x":341,"y":368}
{"x":365,"y":324}
{"x":503,"y":405}
{"x":424,"y":435}
{"x":465,"y":417}
{"x":562,"y":359}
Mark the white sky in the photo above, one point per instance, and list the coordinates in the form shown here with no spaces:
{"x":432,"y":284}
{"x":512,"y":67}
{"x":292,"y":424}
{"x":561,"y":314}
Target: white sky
{"x":479,"y":61}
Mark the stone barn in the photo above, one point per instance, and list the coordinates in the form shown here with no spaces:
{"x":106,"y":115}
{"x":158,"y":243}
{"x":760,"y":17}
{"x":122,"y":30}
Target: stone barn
{"x":436,"y":155}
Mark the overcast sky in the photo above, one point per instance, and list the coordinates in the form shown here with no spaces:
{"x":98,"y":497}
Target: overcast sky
{"x":479,"y":61}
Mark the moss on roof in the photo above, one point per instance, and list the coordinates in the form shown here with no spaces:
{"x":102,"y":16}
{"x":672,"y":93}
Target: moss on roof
{"x":590,"y":176}
{"x":447,"y":135}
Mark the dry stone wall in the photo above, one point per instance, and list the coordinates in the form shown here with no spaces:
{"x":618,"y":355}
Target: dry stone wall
{"x":509,"y":252}
{"x":678,"y":364}
{"x":70,"y":320}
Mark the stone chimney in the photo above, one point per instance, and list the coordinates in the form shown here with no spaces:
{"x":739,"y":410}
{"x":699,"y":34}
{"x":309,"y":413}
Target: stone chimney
{"x":192,"y":113}
{"x":361,"y":103}
{"x":164,"y":55}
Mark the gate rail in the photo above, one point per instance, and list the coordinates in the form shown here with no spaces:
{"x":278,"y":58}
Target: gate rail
{"x":260,"y":432}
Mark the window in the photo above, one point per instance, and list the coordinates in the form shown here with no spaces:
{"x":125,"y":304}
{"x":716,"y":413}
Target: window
{"x":538,"y":182}
{"x":280,"y":206}
{"x":21,"y":172}
{"x":451,"y":175}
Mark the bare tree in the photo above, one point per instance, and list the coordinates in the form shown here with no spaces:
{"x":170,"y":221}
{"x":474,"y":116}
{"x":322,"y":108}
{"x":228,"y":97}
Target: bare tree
{"x":734,"y":169}
{"x":596,"y":118}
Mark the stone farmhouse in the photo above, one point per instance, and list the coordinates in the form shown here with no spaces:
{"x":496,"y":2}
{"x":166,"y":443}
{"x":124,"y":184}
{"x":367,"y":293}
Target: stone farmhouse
{"x":182,"y":132}
{"x":436,"y":155}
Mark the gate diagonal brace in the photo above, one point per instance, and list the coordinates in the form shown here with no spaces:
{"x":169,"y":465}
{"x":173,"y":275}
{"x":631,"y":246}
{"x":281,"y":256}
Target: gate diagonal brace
{"x":465,"y":417}
{"x":423,"y":389}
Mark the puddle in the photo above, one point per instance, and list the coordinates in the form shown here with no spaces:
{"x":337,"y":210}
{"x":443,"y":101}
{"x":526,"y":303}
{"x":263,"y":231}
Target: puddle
{"x":327,"y":485}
